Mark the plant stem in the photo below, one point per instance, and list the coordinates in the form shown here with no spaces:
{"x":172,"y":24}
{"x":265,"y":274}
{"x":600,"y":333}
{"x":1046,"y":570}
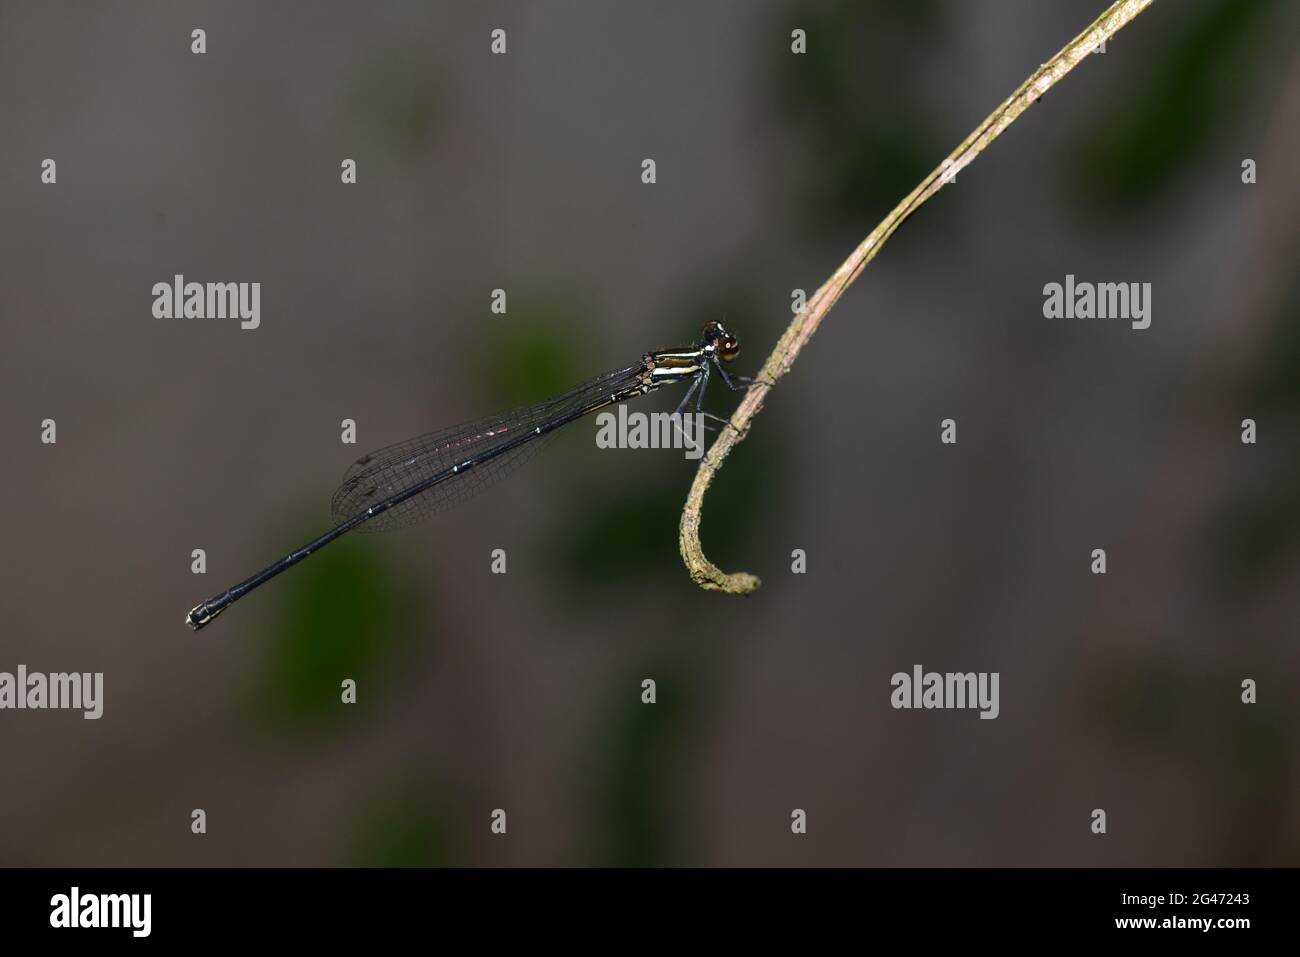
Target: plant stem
{"x":703,"y":572}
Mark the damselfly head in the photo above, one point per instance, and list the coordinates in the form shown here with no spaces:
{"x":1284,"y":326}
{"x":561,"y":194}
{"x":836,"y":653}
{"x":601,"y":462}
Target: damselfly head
{"x":724,"y":343}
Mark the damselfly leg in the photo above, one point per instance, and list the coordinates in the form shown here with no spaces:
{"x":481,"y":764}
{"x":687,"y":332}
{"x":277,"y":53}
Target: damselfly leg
{"x":731,"y":381}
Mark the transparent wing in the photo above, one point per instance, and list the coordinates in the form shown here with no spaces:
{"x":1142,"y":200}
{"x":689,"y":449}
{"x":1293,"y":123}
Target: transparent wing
{"x":396,"y":468}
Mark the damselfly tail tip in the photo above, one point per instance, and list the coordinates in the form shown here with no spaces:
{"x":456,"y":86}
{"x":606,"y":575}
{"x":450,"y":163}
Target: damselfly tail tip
{"x":199,"y":616}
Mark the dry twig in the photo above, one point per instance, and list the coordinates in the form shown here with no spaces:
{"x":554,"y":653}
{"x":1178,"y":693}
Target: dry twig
{"x":705,"y":573}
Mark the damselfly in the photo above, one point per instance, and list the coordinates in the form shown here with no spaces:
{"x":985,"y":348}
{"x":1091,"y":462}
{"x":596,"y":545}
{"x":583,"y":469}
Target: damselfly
{"x":403,"y":483}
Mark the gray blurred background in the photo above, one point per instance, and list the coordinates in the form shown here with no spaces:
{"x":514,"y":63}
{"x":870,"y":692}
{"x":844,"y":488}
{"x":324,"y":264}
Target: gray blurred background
{"x":522,"y":691}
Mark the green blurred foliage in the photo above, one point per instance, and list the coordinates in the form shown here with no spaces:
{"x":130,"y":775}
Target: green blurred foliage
{"x":1143,"y":700}
{"x":1185,"y":93}
{"x":1276,"y":383}
{"x":1253,"y":757}
{"x":1244,"y":760}
{"x":1255,"y":530}
{"x":342,"y":614}
{"x":542,"y":348}
{"x":391,"y":102}
{"x":637,"y":772}
{"x":402,"y":825}
{"x":627,"y":533}
{"x":869,"y":146}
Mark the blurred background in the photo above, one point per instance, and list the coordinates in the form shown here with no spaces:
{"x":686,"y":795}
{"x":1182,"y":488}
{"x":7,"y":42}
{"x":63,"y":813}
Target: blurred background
{"x":523,"y":691}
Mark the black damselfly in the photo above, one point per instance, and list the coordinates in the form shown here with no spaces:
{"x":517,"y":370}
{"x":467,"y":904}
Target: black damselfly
{"x":403,"y":483}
